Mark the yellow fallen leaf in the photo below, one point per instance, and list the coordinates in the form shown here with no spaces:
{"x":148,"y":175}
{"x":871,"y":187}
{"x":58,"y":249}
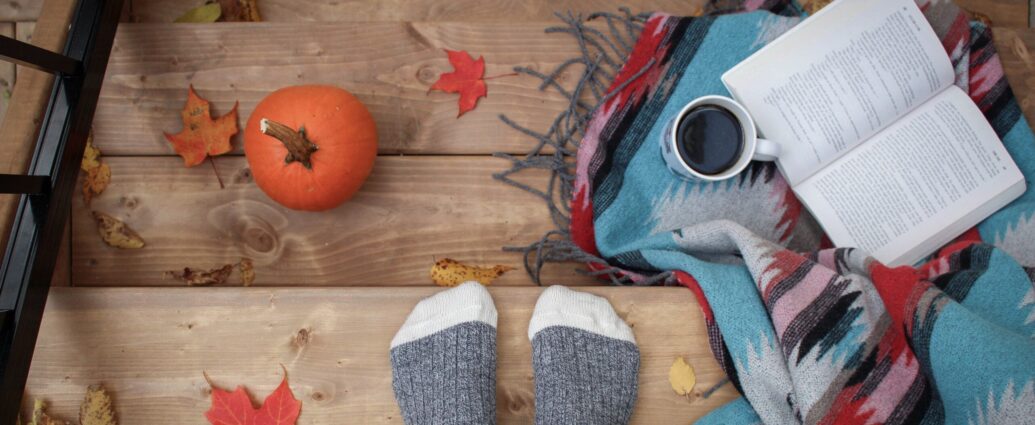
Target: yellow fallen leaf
{"x":91,"y":155}
{"x":39,"y":416}
{"x":98,"y":174}
{"x":247,"y":271}
{"x":96,"y":408}
{"x":449,"y":272}
{"x":116,"y":233}
{"x":96,"y":181}
{"x":682,"y":378}
{"x":201,"y":14}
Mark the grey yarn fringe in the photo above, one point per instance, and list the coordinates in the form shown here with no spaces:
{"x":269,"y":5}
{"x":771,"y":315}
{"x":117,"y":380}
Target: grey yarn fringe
{"x":555,"y":150}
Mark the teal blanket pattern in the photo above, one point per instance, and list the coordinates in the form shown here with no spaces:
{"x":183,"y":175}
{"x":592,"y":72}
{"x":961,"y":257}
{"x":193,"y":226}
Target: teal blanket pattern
{"x":808,"y":333}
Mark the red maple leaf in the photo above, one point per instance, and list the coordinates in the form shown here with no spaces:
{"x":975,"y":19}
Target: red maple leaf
{"x":201,"y":135}
{"x":235,"y":408}
{"x":466,"y":79}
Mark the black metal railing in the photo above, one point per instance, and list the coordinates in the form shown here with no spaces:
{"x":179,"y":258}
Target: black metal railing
{"x":47,"y":188}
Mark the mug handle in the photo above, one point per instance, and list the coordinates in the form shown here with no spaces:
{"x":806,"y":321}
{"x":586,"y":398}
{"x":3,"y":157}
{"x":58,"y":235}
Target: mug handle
{"x":766,"y":150}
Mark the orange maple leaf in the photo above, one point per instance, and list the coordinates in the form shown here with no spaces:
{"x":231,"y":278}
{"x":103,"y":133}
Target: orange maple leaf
{"x":201,"y":135}
{"x":235,"y":408}
{"x":466,"y":79}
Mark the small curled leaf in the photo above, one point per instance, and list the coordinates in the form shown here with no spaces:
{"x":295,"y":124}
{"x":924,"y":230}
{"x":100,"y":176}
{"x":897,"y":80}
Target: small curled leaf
{"x":449,"y":272}
{"x":194,"y":277}
{"x":116,"y":233}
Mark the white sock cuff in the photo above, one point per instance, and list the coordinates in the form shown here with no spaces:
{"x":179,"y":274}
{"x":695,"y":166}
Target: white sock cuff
{"x":560,"y":306}
{"x":468,"y":302}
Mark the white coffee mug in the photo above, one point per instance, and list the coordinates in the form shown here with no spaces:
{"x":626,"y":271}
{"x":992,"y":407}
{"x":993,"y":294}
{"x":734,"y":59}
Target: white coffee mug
{"x":754,"y":148}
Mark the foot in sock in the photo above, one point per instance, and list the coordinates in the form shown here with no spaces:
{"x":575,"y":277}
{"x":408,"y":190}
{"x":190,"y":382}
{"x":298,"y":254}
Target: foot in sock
{"x":444,"y":359}
{"x":584,"y":358}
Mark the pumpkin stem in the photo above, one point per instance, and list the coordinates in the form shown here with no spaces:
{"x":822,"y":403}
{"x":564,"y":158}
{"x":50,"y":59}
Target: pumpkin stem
{"x":299,"y":147}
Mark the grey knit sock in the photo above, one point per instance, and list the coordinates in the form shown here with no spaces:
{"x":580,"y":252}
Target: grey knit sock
{"x":444,"y":359}
{"x":584,"y":358}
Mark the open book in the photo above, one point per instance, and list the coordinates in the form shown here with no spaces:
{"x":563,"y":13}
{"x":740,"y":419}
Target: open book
{"x":877,"y":142}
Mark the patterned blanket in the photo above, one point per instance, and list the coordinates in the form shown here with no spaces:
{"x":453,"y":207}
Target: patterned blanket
{"x":806,"y":333}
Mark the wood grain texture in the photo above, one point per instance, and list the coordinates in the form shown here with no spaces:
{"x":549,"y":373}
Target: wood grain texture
{"x":1016,"y":47}
{"x":410,"y":212}
{"x":1010,"y":13}
{"x":389,"y":66}
{"x":20,"y":10}
{"x":149,"y":347}
{"x":23,"y":32}
{"x":6,"y":73}
{"x":412,"y":10}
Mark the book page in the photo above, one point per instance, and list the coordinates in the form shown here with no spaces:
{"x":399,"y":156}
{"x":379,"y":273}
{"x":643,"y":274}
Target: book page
{"x":838,"y":78}
{"x":915,"y":185}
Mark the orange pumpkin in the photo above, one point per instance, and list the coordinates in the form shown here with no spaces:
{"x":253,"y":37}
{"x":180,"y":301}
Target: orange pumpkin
{"x":310,"y":147}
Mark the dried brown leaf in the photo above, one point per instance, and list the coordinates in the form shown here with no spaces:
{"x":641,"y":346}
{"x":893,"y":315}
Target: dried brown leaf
{"x":116,"y":233}
{"x":97,"y":408}
{"x":39,"y":415}
{"x":449,"y":272}
{"x":247,"y":271}
{"x":216,"y":276}
{"x":814,"y":6}
{"x":240,"y":11}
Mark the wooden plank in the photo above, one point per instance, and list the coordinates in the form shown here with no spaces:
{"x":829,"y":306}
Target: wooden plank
{"x":20,"y":126}
{"x":411,"y":211}
{"x":1016,"y":47}
{"x":390,"y":66}
{"x":23,"y":32}
{"x":412,"y":10}
{"x":6,"y":73}
{"x":1010,"y":13}
{"x":149,"y":347}
{"x":20,"y":10}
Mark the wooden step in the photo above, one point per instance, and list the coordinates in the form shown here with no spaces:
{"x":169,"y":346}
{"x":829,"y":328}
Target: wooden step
{"x":1016,"y":47}
{"x":415,"y":10}
{"x":412,"y":211}
{"x":150,"y":347}
{"x":1012,"y":13}
{"x":389,"y":66}
{"x":1002,"y":12}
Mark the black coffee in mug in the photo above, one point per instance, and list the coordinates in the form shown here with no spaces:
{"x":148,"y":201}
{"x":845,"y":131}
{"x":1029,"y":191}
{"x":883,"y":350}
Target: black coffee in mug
{"x":710,"y":139}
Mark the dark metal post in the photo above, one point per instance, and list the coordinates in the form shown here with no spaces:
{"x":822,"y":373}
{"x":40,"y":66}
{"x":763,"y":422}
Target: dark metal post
{"x":23,"y":53}
{"x":42,"y":212}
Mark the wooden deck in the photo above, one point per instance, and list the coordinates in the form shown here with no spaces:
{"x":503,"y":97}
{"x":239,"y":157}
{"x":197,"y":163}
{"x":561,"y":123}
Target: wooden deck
{"x":151,"y":346}
{"x":149,"y":339}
